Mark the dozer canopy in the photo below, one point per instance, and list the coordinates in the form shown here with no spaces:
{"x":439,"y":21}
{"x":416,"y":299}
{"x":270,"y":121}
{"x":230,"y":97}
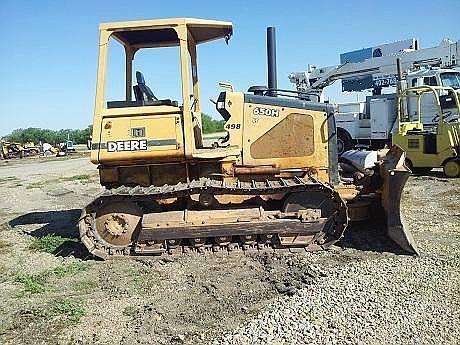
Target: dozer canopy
{"x":184,"y":33}
{"x":164,"y":32}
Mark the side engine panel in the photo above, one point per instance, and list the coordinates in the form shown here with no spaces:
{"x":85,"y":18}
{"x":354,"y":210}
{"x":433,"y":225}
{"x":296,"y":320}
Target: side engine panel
{"x":276,"y":133}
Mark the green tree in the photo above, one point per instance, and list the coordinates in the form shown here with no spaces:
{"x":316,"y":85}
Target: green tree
{"x":78,"y":136}
{"x":210,"y":125}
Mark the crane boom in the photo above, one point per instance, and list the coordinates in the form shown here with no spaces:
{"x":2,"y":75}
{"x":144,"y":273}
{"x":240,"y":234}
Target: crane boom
{"x":377,"y":69}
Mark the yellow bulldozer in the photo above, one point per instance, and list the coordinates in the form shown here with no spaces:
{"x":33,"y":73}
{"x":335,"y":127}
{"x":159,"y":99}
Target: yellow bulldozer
{"x":10,"y":150}
{"x":271,"y":182}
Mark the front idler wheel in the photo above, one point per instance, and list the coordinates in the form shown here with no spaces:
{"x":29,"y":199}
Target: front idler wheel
{"x":117,"y":225}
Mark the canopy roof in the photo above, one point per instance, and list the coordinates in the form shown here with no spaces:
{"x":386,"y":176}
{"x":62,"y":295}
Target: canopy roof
{"x":160,"y":32}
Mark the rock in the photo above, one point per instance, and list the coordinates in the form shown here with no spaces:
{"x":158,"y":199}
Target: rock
{"x":58,"y":191}
{"x":167,"y":259}
{"x":178,"y":338}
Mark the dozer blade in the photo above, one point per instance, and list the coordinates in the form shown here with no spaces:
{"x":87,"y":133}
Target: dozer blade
{"x":394,"y":176}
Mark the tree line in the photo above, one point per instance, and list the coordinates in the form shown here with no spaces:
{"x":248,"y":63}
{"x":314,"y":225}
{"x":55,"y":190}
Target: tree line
{"x":53,"y":137}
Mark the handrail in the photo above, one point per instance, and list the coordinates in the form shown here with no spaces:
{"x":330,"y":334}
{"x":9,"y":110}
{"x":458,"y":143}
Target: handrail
{"x":419,"y":90}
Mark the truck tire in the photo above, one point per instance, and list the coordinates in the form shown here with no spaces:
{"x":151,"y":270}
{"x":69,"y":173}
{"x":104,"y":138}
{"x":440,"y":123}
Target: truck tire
{"x":451,"y":168}
{"x":344,"y":141}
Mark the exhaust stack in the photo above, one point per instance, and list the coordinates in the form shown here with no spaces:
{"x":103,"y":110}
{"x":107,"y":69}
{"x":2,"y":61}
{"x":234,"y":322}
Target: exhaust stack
{"x":271,"y":60}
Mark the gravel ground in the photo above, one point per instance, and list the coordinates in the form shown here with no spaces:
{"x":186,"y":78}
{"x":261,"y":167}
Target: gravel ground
{"x":386,"y":298}
{"x":361,"y":291}
{"x":386,"y":301}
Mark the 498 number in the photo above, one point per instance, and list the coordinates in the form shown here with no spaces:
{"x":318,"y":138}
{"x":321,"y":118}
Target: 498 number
{"x":233,"y":126}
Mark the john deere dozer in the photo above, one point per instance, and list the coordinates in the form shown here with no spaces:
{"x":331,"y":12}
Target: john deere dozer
{"x":271,"y":182}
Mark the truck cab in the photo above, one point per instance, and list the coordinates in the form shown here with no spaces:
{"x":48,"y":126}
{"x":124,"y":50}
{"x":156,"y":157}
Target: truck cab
{"x":436,"y":77}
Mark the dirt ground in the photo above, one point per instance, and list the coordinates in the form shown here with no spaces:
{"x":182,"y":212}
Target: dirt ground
{"x":52,"y":291}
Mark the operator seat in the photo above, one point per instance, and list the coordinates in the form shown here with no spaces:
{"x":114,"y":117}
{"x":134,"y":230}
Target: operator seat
{"x":141,"y":91}
{"x":144,"y":96}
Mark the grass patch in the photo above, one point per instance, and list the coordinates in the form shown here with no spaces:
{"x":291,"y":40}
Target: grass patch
{"x":86,"y":286}
{"x":41,"y":322}
{"x":8,"y":179}
{"x":33,"y":185}
{"x":69,"y":270}
{"x":130,"y":311}
{"x":81,"y":178}
{"x":67,"y":309}
{"x":49,"y":243}
{"x":72,"y":310}
{"x":37,"y":283}
{"x":31,"y":283}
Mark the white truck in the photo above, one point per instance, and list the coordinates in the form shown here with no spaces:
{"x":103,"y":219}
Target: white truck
{"x":371,"y":122}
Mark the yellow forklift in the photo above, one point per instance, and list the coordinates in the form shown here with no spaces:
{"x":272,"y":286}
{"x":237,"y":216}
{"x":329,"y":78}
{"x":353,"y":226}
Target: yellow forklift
{"x":429,"y":148}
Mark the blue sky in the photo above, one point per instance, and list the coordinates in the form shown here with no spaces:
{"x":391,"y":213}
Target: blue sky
{"x":49,"y":48}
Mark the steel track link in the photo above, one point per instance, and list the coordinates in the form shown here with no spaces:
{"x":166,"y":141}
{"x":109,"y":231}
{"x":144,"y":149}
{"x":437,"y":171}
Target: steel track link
{"x":98,"y":247}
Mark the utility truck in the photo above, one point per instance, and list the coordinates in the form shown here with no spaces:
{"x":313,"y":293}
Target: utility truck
{"x":373,"y":122}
